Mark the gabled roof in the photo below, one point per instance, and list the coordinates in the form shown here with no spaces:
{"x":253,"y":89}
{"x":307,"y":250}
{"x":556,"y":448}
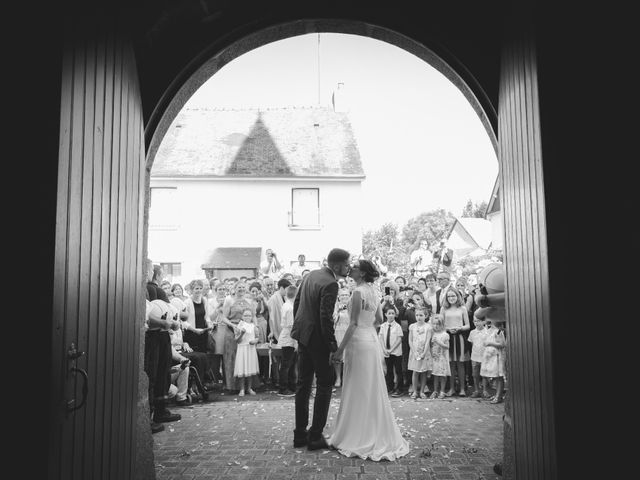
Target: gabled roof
{"x":478,"y":231}
{"x":294,"y":141}
{"x":236,"y":258}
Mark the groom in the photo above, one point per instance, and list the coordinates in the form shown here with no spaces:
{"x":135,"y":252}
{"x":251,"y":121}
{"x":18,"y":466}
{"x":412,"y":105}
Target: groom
{"x":313,"y":329}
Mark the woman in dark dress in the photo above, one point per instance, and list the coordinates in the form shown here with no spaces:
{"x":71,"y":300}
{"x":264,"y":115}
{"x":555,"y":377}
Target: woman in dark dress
{"x":196,"y":329}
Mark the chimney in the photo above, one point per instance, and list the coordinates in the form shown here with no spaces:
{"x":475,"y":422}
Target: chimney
{"x":338,"y":99}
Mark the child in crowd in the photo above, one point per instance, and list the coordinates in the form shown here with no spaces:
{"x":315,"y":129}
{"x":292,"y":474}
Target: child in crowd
{"x":261,"y":327}
{"x":390,"y":335}
{"x":456,"y":322}
{"x":476,"y":339}
{"x":246,"y":364}
{"x":340,"y":325}
{"x":439,"y":356}
{"x":419,"y":343}
{"x":493,"y":364}
{"x":288,"y":346}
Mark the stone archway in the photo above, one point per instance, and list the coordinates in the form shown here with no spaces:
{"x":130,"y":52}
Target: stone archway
{"x":210,"y":62}
{"x":529,"y":427}
{"x":190,"y":80}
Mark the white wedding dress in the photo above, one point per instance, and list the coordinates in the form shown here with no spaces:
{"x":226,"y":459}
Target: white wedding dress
{"x":366,"y":426}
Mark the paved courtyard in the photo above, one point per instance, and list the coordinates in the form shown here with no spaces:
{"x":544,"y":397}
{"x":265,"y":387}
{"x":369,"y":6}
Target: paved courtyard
{"x":252,"y":438}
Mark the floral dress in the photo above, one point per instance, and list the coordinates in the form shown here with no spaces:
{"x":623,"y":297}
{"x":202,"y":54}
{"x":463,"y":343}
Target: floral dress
{"x":440,"y":355}
{"x":419,"y":334}
{"x":492,"y":365}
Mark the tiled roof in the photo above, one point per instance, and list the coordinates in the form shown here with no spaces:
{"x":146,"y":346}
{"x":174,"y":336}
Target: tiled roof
{"x":248,"y":257}
{"x":294,"y":141}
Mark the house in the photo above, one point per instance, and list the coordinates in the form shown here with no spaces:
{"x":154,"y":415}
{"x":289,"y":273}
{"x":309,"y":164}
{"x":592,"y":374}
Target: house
{"x":494,"y":215}
{"x":469,"y":236}
{"x":277,"y":178}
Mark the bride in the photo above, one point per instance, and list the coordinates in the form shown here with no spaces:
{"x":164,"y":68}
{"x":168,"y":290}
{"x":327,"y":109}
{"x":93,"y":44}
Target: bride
{"x":365,"y":426}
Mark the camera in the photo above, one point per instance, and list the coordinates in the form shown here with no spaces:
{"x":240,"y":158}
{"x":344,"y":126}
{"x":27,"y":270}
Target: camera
{"x":387,"y":291}
{"x":184,"y":363}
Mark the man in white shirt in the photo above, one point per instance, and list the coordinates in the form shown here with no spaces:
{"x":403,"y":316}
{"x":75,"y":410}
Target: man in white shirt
{"x":390,"y":335}
{"x":288,"y":346}
{"x":421,"y":259}
{"x":297,"y":269}
{"x":179,"y":379}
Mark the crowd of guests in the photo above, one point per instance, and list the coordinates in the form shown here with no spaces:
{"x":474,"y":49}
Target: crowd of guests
{"x":436,"y":341}
{"x":235,"y":333}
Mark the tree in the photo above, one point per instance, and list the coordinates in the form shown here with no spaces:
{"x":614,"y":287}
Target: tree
{"x":474,"y":210}
{"x":431,"y":226}
{"x":385,"y":242}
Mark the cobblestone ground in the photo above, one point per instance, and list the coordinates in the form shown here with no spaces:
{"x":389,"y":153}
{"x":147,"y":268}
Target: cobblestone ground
{"x":252,"y":438}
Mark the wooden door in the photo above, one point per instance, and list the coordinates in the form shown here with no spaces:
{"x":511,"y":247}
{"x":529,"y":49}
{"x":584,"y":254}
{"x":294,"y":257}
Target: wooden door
{"x":98,"y":296}
{"x":530,"y":433}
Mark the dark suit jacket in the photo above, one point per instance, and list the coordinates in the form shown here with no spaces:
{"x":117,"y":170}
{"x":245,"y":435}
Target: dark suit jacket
{"x":154,"y":292}
{"x":313,"y":308}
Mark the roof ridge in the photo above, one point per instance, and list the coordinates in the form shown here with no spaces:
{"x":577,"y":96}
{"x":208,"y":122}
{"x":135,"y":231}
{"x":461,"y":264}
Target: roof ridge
{"x":258,"y":109}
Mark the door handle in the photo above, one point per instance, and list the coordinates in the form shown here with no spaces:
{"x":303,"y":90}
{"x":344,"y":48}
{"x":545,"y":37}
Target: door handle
{"x":71,"y":407}
{"x":72,"y":355}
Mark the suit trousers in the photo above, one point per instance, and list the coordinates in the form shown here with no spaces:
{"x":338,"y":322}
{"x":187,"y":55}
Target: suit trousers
{"x":157,"y":366}
{"x":394,"y":362}
{"x":313,"y":359}
{"x":287,"y":374}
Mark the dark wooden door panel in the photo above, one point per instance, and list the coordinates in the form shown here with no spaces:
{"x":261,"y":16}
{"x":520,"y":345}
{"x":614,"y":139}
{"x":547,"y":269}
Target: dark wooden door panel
{"x":530,"y":406}
{"x":98,"y":276}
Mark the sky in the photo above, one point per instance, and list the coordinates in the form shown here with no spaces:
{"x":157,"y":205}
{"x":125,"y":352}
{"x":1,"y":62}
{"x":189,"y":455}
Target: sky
{"x":420,"y":141}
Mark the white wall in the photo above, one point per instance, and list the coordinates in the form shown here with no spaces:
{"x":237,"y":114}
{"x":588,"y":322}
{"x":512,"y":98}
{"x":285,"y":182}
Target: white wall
{"x":497,"y":231}
{"x":249,"y":213}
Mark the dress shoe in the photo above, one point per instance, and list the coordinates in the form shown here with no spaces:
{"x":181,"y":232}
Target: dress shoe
{"x":183,"y":403}
{"x":317,"y":444}
{"x":286,"y":393}
{"x":156,"y":427}
{"x":166,"y":416}
{"x":300,"y":440}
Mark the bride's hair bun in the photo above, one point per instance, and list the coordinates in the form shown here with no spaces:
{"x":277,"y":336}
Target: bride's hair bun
{"x":368,"y":270}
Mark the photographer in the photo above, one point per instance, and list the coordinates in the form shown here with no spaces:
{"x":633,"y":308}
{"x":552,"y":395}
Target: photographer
{"x":393,"y":299}
{"x":271,"y":266}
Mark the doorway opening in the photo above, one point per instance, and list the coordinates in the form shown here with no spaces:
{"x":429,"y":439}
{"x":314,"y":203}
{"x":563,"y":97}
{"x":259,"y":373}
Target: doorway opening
{"x":305,"y":197}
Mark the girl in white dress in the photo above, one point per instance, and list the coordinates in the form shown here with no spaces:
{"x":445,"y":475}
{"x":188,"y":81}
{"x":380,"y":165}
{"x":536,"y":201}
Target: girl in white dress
{"x":365,"y":426}
{"x":419,"y":353}
{"x":439,"y":356}
{"x":246,"y":365}
{"x":493,"y":364}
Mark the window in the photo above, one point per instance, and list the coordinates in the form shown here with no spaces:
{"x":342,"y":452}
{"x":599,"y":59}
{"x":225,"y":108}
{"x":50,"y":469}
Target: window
{"x":305,"y":207}
{"x":163,"y":209}
{"x":171,"y":270}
